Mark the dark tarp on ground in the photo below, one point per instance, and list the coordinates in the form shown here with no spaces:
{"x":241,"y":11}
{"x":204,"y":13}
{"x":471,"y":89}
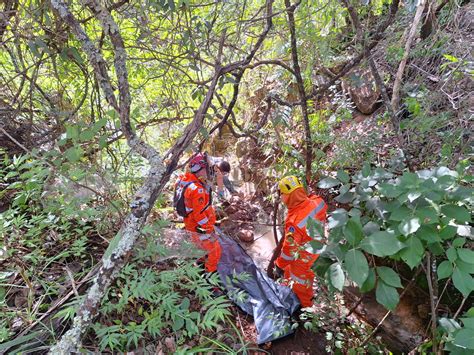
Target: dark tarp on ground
{"x":270,"y":304}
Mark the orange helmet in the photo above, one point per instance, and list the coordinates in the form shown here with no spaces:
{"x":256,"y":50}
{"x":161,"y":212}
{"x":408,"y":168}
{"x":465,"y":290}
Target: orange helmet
{"x":289,"y":184}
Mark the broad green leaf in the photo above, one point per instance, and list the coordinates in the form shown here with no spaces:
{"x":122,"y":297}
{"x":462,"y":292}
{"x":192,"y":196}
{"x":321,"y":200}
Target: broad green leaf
{"x":371,"y":228}
{"x":369,"y":284}
{"x":185,"y":303}
{"x":345,"y":198}
{"x":449,"y":325}
{"x":445,"y":269}
{"x":466,"y":255}
{"x":366,"y":170}
{"x":353,"y":232}
{"x":343,"y":176}
{"x":401,"y":214}
{"x":458,"y":243}
{"x":447,"y":232}
{"x":336,"y":276}
{"x":465,"y":338}
{"x":409,"y":180}
{"x":428,"y":215}
{"x":382,"y":244}
{"x":413,"y":253}
{"x":459,"y":213}
{"x":463,"y":282}
{"x":389,"y":190}
{"x":73,"y":154}
{"x":387,"y":295}
{"x":328,"y":182}
{"x":409,"y":226}
{"x":72,"y":132}
{"x":389,"y":276}
{"x":465,"y":267}
{"x":315,"y":229}
{"x":468,"y":322}
{"x":428,"y":233}
{"x":337,"y":218}
{"x":356,"y":266}
{"x":452,"y":254}
{"x":86,"y":135}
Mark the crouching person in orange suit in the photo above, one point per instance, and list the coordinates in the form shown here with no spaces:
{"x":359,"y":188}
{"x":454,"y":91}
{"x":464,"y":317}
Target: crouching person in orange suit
{"x":295,"y":259}
{"x":201,"y":217}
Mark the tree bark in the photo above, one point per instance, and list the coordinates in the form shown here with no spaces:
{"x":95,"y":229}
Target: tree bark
{"x":290,"y":9}
{"x":401,"y":68}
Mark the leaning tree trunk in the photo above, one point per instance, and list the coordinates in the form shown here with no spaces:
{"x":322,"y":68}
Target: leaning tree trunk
{"x":144,"y":199}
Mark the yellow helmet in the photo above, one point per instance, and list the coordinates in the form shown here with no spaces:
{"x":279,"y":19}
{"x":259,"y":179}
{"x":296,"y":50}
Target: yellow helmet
{"x":289,"y":184}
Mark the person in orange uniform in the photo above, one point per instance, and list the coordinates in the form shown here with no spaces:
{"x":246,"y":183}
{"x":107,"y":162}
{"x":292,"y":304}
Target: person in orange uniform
{"x":297,"y":257}
{"x":201,"y":217}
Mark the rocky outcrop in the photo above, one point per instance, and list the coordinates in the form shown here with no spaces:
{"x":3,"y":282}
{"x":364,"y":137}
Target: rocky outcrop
{"x":361,"y":87}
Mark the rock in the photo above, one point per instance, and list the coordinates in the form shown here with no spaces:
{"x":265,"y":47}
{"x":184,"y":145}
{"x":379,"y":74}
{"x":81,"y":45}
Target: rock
{"x":360,"y":84}
{"x":170,"y":344}
{"x":246,"y":235}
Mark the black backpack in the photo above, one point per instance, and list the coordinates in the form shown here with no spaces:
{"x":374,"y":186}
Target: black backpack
{"x":178,"y":198}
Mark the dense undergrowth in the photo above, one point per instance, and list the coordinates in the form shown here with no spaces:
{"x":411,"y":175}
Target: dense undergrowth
{"x":400,"y":191}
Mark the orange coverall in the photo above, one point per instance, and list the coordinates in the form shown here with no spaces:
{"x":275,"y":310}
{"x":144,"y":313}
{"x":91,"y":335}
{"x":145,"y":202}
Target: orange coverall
{"x":201,"y":214}
{"x":294,"y":259}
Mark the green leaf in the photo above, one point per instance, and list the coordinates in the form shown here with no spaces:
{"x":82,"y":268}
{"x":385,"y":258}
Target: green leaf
{"x":451,"y":254}
{"x":315,"y":229}
{"x":466,"y":267}
{"x":468,"y":322}
{"x":428,"y":215}
{"x":356,"y":266}
{"x":389,"y":190}
{"x":465,"y":338}
{"x":445,"y":269}
{"x":387,"y":295}
{"x":178,"y":323}
{"x":72,"y":132}
{"x":337,"y":218}
{"x":447,"y":232}
{"x":336,"y":276}
{"x":366,"y":170}
{"x":382,"y":244}
{"x":463,"y":282}
{"x":409,"y":226}
{"x":413,"y":253}
{"x":369,"y":284}
{"x":73,"y":154}
{"x":86,"y":135}
{"x":449,"y":325}
{"x":459,"y":213}
{"x":458,"y":243}
{"x":353,"y":232}
{"x":466,"y":255}
{"x":428,"y":233}
{"x":328,"y":182}
{"x":343,"y":176}
{"x":389,"y":276}
{"x":401,"y":213}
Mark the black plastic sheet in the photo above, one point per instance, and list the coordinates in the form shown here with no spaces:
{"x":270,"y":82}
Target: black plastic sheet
{"x":270,"y":304}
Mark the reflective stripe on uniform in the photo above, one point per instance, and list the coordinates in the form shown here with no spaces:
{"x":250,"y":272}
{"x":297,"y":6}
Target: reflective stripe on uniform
{"x":297,"y":279}
{"x":311,"y":214}
{"x":286,"y":257}
{"x":203,"y":221}
{"x":204,"y":237}
{"x":188,"y":209}
{"x":192,"y":186}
